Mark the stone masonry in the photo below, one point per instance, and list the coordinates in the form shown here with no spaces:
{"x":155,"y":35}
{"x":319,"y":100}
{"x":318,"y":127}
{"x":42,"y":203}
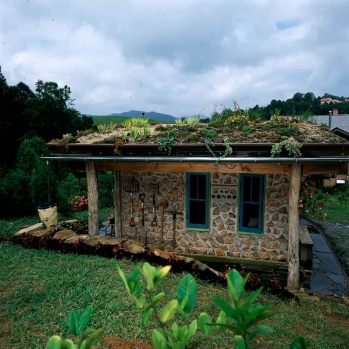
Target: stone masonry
{"x":222,"y":239}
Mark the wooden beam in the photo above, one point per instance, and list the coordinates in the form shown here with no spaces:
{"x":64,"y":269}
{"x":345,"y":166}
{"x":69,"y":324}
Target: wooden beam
{"x":293,"y":229}
{"x":195,"y":167}
{"x":92,"y":188}
{"x":324,"y":169}
{"x":117,"y":204}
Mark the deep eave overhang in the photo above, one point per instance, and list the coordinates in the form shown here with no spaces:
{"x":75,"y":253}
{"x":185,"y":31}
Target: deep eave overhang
{"x":263,"y":150}
{"x":189,"y":159}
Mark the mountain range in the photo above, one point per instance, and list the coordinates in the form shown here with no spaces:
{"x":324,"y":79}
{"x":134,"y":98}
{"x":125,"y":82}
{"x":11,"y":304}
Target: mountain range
{"x":152,"y":115}
{"x":149,"y":115}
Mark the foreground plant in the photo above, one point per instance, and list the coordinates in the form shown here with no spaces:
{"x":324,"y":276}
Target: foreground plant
{"x":242,"y":317}
{"x":77,"y":325}
{"x":147,"y":302}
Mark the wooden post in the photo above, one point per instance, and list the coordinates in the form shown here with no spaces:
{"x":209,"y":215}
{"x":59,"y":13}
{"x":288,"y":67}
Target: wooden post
{"x":117,"y":204}
{"x":92,"y":188}
{"x":293,"y":229}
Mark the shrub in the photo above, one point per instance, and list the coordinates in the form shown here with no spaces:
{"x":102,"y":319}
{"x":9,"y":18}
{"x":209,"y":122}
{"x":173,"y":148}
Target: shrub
{"x":311,"y":201}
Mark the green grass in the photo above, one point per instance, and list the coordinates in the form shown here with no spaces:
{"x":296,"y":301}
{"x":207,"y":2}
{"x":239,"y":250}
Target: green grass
{"x":337,"y":205}
{"x":39,"y":288}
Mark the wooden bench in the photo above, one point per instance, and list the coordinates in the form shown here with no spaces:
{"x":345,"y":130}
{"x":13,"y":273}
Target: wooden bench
{"x":305,"y":247}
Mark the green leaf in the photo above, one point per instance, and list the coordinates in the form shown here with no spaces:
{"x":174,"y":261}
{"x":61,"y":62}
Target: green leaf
{"x":233,"y":313}
{"x":182,"y":332}
{"x":178,"y":345}
{"x":67,"y":344}
{"x":134,"y":274}
{"x":159,"y":340}
{"x":174,"y":329}
{"x":222,"y":320}
{"x":253,"y":297}
{"x":298,"y":343}
{"x":168,"y":310}
{"x":261,"y":330}
{"x":136,"y":288}
{"x":160,"y":274}
{"x":85,"y":317}
{"x":258,"y":313}
{"x":91,"y":339}
{"x":123,"y":278}
{"x":157,"y":297}
{"x":205,"y":323}
{"x":187,"y":289}
{"x":140,"y":300}
{"x":54,"y":342}
{"x":149,"y":274}
{"x":235,"y":285}
{"x":192,"y":328}
{"x":146,"y":316}
{"x":73,"y":322}
{"x":239,"y":342}
{"x":84,"y":336}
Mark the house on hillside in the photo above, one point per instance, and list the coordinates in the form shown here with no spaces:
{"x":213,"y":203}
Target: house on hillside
{"x":223,"y":199}
{"x":329,"y":100}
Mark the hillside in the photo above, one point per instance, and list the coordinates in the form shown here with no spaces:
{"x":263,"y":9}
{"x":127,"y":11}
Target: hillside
{"x":150,"y":115}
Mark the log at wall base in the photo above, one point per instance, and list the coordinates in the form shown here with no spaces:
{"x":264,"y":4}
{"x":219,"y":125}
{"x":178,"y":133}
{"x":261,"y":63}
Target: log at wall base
{"x":92,"y":188}
{"x":293,"y":231}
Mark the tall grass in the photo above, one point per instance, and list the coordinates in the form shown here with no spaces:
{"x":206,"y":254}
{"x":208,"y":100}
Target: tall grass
{"x":337,"y":203}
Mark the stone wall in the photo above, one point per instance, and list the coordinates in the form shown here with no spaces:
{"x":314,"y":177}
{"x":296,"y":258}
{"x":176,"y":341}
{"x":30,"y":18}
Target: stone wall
{"x":222,"y":239}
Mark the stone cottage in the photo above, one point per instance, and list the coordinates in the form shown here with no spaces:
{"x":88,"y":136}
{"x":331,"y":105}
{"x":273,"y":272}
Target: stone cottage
{"x":191,"y":200}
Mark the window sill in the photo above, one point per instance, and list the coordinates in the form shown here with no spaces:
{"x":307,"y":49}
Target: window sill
{"x":198,"y":229}
{"x":239,"y":232}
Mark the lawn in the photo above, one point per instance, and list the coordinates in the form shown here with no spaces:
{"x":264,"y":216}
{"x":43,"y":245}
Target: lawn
{"x":39,"y":288}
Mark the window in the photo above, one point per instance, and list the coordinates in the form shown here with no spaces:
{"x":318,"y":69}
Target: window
{"x":251,"y":203}
{"x":197,"y":200}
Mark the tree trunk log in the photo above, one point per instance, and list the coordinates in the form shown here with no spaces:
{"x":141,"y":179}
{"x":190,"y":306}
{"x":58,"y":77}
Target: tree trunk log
{"x":117,"y":204}
{"x":293,"y":229}
{"x":92,"y":188}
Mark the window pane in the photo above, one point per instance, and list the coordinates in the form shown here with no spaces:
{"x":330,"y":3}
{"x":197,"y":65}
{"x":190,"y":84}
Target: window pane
{"x":193,"y":186}
{"x":255,"y":189}
{"x":197,"y":212}
{"x":247,"y":188}
{"x":202,"y":187}
{"x":250,"y":216}
{"x":251,"y":203}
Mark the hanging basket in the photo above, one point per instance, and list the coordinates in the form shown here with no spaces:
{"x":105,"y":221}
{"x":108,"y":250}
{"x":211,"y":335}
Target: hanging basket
{"x":78,"y":208}
{"x":48,"y":214}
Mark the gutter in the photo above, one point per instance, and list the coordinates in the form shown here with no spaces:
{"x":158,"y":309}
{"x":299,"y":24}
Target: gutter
{"x":187,"y":159}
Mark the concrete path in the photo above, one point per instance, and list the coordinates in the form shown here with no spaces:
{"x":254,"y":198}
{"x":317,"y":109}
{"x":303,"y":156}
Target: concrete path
{"x":328,"y":276}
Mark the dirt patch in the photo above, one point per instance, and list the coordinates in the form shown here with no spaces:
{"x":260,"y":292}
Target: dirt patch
{"x":335,"y":319}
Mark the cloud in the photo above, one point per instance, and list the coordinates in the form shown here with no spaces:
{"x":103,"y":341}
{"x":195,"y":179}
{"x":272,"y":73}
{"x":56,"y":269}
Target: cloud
{"x":180,"y":57}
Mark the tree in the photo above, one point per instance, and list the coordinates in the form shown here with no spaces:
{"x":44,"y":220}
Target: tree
{"x":50,"y":114}
{"x":13,"y":102}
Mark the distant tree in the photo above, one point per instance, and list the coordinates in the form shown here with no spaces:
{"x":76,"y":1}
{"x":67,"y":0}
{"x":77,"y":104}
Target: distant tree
{"x":297,"y":97}
{"x":50,"y":113}
{"x":13,"y":103}
{"x":309,"y":97}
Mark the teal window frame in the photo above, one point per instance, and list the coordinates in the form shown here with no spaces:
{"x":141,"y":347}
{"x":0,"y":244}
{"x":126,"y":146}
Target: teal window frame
{"x":251,"y":200}
{"x":197,"y":197}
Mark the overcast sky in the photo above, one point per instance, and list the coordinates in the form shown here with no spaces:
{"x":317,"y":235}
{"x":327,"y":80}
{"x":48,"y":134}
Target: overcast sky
{"x":179,"y":57}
